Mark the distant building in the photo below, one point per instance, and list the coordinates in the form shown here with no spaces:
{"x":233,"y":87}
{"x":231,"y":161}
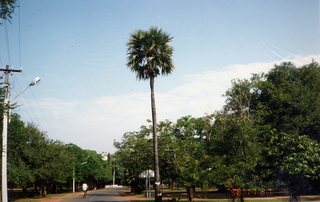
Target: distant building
{"x":104,"y":156}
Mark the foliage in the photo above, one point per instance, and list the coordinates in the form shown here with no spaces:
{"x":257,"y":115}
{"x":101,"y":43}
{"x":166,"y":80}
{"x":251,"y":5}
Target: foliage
{"x":266,"y":135}
{"x":35,"y":160}
{"x":135,"y":155}
{"x":288,"y":108}
{"x":149,"y":53}
{"x":289,"y":99}
{"x":235,"y":152}
{"x":20,"y":172}
{"x":7,"y":9}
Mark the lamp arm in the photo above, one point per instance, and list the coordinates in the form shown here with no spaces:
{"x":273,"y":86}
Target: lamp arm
{"x":20,"y":93}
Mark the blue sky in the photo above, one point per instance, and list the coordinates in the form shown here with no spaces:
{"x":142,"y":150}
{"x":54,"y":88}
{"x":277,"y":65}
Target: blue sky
{"x":89,"y":97}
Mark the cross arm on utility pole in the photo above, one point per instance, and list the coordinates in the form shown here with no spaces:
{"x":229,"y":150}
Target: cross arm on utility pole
{"x":8,"y":69}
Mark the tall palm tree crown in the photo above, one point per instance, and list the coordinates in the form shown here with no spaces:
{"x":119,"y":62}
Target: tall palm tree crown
{"x":149,"y":53}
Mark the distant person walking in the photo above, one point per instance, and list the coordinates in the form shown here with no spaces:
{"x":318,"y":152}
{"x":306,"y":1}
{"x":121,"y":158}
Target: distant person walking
{"x":84,"y":189}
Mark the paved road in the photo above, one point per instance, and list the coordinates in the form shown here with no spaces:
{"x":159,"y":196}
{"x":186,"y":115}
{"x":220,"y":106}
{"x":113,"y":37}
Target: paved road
{"x":99,"y":196}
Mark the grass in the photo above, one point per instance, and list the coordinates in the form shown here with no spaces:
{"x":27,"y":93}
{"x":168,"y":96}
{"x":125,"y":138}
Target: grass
{"x":25,"y":200}
{"x":33,"y":199}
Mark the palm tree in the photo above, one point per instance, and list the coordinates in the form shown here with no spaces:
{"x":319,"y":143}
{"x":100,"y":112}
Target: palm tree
{"x":149,"y":55}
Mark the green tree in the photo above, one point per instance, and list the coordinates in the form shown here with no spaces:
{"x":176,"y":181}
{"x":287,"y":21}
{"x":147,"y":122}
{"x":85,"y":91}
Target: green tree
{"x":235,"y":145}
{"x":7,"y":9}
{"x":190,"y":160}
{"x":116,"y":169}
{"x":289,"y":99}
{"x":135,"y":154}
{"x":89,"y":167}
{"x":48,"y":160}
{"x":167,"y":153}
{"x":185,"y":152}
{"x":78,"y":156}
{"x":20,"y":173}
{"x":149,"y":55}
{"x":96,"y":171}
{"x":236,"y":152}
{"x":240,"y":97}
{"x":287,"y":108}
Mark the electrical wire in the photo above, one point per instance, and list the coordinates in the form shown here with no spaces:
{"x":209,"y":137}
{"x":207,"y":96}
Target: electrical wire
{"x":29,"y":109}
{"x":1,"y":61}
{"x":7,"y":41}
{"x":19,"y":30}
{"x":45,"y":118}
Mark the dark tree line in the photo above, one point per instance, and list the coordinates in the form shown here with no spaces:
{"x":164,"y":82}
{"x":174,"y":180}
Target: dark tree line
{"x":41,"y":165}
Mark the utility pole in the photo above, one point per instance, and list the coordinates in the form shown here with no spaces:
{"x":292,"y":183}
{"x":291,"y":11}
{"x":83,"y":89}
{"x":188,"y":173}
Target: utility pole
{"x":5,"y":132}
{"x":73,"y":181}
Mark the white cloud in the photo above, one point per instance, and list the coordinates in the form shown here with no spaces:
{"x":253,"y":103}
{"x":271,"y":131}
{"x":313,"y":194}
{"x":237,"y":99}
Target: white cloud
{"x":96,"y":122}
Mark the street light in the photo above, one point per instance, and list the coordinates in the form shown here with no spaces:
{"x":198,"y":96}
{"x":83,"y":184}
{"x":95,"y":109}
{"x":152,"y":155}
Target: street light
{"x":34,"y":82}
{"x":5,"y":130}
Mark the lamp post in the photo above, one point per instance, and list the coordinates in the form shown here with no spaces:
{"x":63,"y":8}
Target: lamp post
{"x":73,"y":182}
{"x":5,"y":129}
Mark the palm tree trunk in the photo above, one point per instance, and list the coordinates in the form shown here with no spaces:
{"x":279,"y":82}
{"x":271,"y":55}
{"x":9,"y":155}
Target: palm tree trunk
{"x":157,"y":184}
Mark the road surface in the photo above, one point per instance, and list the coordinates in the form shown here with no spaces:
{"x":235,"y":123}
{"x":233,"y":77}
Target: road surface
{"x":99,"y":196}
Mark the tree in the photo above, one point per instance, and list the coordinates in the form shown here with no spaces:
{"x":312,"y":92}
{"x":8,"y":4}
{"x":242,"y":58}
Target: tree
{"x":292,"y":160}
{"x":191,"y":159}
{"x":236,"y":152}
{"x":20,"y":173}
{"x":135,"y":155}
{"x":36,"y":160}
{"x":236,"y":139}
{"x":89,"y":167}
{"x":149,"y":55}
{"x":287,"y":108}
{"x":95,"y":169}
{"x":239,"y":98}
{"x":167,"y":153}
{"x":7,"y":8}
{"x":289,"y":99}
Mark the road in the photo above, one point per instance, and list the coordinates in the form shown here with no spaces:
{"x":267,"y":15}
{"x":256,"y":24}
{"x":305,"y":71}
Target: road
{"x":99,"y":196}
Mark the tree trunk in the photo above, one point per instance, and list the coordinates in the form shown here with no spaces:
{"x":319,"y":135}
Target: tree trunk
{"x":54,"y":188}
{"x":172,"y":184}
{"x":190,"y":192}
{"x":35,"y":187}
{"x":43,"y":189}
{"x":294,"y":193}
{"x":241,"y":197}
{"x":157,"y":184}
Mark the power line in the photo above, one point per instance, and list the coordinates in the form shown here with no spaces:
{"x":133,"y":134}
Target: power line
{"x":7,"y":41}
{"x":1,"y":61}
{"x":19,"y":30}
{"x":31,"y":113}
{"x":15,"y":80}
{"x":40,"y":109}
{"x":44,"y":116}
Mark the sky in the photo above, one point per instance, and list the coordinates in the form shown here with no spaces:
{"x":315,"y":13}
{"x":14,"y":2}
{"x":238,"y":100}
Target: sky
{"x":89,"y":97}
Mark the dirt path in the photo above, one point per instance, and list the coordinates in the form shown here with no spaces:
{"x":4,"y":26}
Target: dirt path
{"x":50,"y":199}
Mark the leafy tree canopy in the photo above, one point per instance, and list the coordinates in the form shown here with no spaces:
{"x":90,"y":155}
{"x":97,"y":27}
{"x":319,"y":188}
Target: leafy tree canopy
{"x":7,"y":9}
